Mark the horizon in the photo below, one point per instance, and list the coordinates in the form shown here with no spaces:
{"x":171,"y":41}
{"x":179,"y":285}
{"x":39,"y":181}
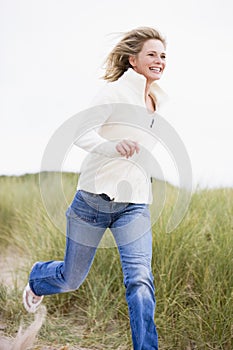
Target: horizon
{"x":49,"y":73}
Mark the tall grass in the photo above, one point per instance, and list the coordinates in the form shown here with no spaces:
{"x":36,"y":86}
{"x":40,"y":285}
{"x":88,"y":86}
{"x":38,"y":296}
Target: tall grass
{"x":193,"y":269}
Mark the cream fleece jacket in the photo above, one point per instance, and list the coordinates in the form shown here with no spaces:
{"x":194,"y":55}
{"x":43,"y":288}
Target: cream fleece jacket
{"x":119,"y":112}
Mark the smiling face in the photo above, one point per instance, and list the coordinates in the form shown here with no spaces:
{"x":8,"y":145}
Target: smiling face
{"x":150,"y":61}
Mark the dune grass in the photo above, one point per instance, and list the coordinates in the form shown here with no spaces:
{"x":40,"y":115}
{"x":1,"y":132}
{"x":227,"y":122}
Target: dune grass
{"x":192,"y":266}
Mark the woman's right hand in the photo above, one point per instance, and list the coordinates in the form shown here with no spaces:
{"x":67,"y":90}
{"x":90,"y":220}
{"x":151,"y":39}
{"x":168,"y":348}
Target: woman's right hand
{"x":127,"y":148}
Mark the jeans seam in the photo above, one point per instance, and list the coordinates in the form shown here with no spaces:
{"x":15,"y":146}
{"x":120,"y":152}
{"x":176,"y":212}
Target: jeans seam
{"x":132,"y":316}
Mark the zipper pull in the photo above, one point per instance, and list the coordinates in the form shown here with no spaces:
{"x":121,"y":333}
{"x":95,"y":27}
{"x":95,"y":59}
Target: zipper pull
{"x":152,"y":122}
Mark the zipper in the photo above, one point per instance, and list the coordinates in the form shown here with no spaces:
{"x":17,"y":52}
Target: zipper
{"x":152,"y":122}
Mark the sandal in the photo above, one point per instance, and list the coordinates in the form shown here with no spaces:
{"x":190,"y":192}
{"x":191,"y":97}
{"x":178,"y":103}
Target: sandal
{"x":31,"y":301}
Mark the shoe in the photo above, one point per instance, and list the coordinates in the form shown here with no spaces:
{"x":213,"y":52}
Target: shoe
{"x":31,"y":301}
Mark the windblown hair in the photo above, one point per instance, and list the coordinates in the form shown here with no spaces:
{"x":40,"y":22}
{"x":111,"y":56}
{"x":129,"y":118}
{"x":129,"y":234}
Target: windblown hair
{"x":131,"y":44}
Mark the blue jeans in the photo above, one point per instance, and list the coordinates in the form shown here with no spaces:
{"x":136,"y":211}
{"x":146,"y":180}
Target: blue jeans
{"x":87,"y":219}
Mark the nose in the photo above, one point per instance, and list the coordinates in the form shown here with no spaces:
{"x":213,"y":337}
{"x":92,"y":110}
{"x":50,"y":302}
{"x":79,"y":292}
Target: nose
{"x":158,"y":59}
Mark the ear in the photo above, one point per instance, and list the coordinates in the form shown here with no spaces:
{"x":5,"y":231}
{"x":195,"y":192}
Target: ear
{"x":132,"y":60}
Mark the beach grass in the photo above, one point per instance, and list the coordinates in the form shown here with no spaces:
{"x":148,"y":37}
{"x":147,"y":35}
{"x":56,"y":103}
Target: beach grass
{"x":192,"y":266}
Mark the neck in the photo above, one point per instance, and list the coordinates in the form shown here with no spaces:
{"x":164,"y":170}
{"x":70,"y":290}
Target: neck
{"x":147,"y":88}
{"x":149,"y":100}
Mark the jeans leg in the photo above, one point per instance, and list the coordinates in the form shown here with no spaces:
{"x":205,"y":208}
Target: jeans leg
{"x":53,"y":277}
{"x":136,"y":265}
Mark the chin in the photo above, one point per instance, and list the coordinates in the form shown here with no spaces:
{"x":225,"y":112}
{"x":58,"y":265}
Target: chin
{"x":154,"y":78}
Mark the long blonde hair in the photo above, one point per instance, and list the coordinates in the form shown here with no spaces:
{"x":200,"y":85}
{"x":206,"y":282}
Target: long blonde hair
{"x":131,"y":44}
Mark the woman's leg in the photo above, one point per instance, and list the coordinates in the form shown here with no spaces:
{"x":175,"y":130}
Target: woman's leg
{"x":53,"y":277}
{"x":136,"y":256}
{"x":83,"y":237}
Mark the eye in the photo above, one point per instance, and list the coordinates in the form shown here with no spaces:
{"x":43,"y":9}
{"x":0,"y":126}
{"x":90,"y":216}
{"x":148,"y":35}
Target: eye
{"x":150,"y":54}
{"x":163,"y":57}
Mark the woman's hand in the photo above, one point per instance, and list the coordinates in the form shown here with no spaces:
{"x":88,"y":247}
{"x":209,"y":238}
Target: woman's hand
{"x":127,"y":148}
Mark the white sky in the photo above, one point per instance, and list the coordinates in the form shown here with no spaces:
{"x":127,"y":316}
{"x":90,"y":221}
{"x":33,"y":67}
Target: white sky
{"x":51,"y":56}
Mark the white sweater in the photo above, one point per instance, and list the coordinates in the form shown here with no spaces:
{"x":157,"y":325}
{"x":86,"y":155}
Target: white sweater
{"x":119,"y":112}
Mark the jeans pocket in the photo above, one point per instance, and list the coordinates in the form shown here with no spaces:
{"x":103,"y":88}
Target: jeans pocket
{"x":146,"y":213}
{"x":83,"y":208}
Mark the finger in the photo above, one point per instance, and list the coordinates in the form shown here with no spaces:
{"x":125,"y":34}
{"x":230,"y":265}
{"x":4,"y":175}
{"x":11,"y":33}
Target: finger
{"x":129,"y":146}
{"x":134,"y":147}
{"x":137,"y":148}
{"x":121,"y":149}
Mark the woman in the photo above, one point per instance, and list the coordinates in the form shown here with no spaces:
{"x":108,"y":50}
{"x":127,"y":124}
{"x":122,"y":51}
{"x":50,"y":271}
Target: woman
{"x":113,"y":189}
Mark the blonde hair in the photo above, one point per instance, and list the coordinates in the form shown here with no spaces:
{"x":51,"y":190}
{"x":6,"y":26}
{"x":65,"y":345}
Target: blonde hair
{"x":131,"y":44}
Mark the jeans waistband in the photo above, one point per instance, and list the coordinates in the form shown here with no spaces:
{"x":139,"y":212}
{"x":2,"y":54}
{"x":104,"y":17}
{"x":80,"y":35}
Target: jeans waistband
{"x":102,"y":195}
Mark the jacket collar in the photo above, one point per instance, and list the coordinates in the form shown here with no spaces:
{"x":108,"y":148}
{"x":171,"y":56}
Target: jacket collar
{"x":137,"y":83}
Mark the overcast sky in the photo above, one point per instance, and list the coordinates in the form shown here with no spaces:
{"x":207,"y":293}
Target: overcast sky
{"x":52,"y":53}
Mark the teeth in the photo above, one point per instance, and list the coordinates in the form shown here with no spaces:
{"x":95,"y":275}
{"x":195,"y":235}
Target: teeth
{"x":156,"y":69}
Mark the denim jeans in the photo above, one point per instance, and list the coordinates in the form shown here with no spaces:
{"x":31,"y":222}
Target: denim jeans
{"x":87,"y":219}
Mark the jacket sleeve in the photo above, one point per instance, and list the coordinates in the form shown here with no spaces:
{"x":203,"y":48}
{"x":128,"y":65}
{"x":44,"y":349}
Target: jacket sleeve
{"x":90,"y":121}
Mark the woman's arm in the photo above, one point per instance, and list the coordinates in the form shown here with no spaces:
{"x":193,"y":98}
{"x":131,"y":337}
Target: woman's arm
{"x":90,"y":120}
